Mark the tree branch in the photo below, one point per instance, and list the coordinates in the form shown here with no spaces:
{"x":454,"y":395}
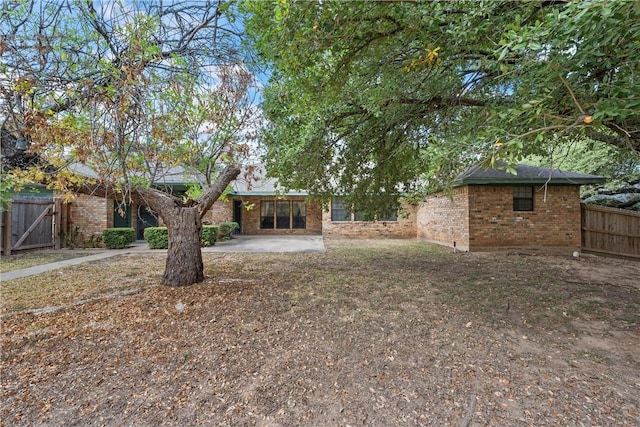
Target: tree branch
{"x":215,"y":191}
{"x":438,"y":101}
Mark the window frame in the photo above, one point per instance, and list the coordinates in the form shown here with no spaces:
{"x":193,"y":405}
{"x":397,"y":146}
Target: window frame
{"x":387,"y":216}
{"x":356,"y":215}
{"x":299,"y":222}
{"x":276,"y":221}
{"x":265,"y":216}
{"x":344,"y":209}
{"x":523,"y":198}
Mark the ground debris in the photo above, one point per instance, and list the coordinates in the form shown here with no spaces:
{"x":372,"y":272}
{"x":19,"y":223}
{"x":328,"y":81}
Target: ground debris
{"x":375,"y":333}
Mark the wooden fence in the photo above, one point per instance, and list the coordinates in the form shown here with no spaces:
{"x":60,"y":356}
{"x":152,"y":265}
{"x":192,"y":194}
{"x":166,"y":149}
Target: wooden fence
{"x":31,"y":224}
{"x":611,"y":231}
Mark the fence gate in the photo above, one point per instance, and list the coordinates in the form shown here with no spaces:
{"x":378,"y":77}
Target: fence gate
{"x":611,"y":231}
{"x":31,"y":224}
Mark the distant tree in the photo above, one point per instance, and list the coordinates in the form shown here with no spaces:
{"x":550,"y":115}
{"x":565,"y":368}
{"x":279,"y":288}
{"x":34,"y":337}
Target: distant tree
{"x":590,"y":157}
{"x":129,"y":91}
{"x":366,"y":97}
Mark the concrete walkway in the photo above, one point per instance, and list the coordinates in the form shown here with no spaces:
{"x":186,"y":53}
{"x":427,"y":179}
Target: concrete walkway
{"x":270,"y":244}
{"x":37,"y":269}
{"x":238,"y":244}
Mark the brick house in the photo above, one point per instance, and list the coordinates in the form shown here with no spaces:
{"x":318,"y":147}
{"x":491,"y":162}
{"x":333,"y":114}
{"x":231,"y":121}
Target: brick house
{"x":92,"y":214}
{"x":484,"y":209}
{"x":260,"y":208}
{"x":491,"y":208}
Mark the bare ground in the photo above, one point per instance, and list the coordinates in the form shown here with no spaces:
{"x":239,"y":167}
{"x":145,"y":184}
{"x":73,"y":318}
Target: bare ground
{"x":370,"y":333}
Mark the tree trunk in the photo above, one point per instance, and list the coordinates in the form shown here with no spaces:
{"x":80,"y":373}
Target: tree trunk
{"x":184,"y":259}
{"x":184,"y":264}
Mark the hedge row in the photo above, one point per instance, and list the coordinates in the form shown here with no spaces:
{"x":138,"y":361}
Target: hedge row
{"x":158,"y":237}
{"x":209,"y":235}
{"x":118,"y":238}
{"x":226,"y":229}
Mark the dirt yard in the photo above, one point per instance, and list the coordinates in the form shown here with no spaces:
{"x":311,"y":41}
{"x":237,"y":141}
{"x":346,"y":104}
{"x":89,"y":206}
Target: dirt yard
{"x":377,"y":333}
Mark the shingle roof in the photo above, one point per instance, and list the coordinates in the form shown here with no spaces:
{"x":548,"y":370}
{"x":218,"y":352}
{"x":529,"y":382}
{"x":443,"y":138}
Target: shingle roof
{"x":252,"y":181}
{"x":256,"y":183}
{"x":532,"y":175}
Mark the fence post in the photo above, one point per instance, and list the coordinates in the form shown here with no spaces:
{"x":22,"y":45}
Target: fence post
{"x":57,"y":222}
{"x":8,"y":232}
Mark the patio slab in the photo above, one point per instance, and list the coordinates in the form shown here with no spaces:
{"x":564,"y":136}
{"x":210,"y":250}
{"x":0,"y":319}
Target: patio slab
{"x":270,"y":244}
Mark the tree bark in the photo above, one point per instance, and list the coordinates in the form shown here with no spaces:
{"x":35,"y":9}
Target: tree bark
{"x":184,"y":264}
{"x":212,"y":194}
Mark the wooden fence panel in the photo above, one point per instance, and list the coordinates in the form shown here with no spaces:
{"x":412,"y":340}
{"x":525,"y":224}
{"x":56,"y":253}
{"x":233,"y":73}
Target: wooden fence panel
{"x":3,"y":229}
{"x":611,"y":231}
{"x":30,"y":224}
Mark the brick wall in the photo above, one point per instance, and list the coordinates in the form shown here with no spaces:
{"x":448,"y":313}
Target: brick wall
{"x":555,"y":220}
{"x":90,"y":214}
{"x":402,"y":228}
{"x":482,"y":217}
{"x":251,"y":217}
{"x":219,"y":212}
{"x":444,"y":218}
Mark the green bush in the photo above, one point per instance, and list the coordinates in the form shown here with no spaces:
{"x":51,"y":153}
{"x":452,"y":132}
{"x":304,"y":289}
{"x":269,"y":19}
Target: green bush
{"x":118,"y":238}
{"x":209,"y":235}
{"x":157,"y":237}
{"x":226,"y":228}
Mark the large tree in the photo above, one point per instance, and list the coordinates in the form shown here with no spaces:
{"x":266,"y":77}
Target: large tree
{"x":128,"y":92}
{"x":368,"y":98}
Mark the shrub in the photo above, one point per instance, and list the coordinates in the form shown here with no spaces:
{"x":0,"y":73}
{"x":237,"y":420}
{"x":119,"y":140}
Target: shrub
{"x":157,"y":237}
{"x":118,"y":238}
{"x":209,"y":235}
{"x":226,"y":228}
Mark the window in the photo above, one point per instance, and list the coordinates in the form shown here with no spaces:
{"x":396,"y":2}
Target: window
{"x":266,"y":214}
{"x":361,"y":216}
{"x":388,"y":216}
{"x":283,"y":214}
{"x":339,"y":210}
{"x":523,"y":198}
{"x":283,"y":218}
{"x":299,"y":214}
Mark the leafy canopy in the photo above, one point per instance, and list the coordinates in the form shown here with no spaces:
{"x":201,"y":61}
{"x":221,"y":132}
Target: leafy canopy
{"x":369,"y":98}
{"x":130,"y":90}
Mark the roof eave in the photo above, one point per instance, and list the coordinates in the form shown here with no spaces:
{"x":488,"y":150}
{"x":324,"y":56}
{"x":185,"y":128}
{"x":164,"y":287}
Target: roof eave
{"x":525,"y":181}
{"x":267,"y":193}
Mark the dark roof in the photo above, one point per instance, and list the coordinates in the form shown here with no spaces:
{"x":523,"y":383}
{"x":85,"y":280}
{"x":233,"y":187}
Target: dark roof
{"x":531,"y":175}
{"x":253,"y":183}
{"x":256,"y":183}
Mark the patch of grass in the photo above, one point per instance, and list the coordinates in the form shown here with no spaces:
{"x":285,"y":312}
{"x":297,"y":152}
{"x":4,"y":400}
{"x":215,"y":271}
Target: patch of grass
{"x":396,"y":275}
{"x":593,"y":309}
{"x":379,"y":328}
{"x":596,"y":355}
{"x":629,"y":319}
{"x":20,"y":261}
{"x":80,"y":282}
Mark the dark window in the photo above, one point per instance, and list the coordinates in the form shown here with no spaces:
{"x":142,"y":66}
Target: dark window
{"x":283,"y":214}
{"x":339,"y":210}
{"x":266,"y":214}
{"x":388,"y":216}
{"x":522,"y":198}
{"x":299,"y":212}
{"x":361,"y":216}
{"x":121,"y":214}
{"x":283,"y":219}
